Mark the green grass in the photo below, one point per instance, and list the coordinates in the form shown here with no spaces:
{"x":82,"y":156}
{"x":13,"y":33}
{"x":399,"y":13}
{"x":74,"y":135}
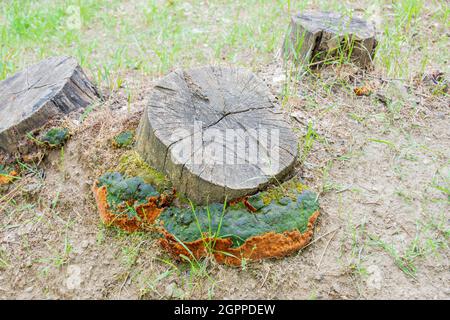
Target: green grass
{"x":406,"y":260}
{"x":430,"y":240}
{"x":441,"y":182}
{"x":390,"y":144}
{"x":4,"y":261}
{"x":130,"y":253}
{"x":307,"y":142}
{"x":152,"y":37}
{"x":59,"y":256}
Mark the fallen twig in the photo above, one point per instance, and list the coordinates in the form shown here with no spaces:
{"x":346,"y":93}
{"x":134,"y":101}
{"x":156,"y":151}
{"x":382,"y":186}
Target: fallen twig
{"x":265,"y":278}
{"x":320,"y":237}
{"x":324,"y":250}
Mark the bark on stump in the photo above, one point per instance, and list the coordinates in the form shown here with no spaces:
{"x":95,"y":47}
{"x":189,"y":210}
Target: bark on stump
{"x":54,"y":87}
{"x":314,"y":37}
{"x":216,"y":133}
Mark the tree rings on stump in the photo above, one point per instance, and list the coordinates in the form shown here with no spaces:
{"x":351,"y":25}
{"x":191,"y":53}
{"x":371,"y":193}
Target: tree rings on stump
{"x":216,"y":132}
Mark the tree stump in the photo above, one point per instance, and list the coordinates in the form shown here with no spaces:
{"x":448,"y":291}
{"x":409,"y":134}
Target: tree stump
{"x":316,"y":37}
{"x":53,"y":87}
{"x":216,"y":132}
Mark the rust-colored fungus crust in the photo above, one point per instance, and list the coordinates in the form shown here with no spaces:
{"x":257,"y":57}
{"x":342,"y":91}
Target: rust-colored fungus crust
{"x":146,"y":213}
{"x":269,"y":245}
{"x":7,"y":175}
{"x":250,"y":228}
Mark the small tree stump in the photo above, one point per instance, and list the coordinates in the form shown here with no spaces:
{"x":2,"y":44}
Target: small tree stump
{"x":53,"y":87}
{"x":216,"y":133}
{"x":316,"y":37}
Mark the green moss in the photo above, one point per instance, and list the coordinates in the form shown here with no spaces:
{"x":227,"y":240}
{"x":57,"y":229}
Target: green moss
{"x":287,"y":189}
{"x":131,"y":164}
{"x":121,"y":190}
{"x":55,"y":137}
{"x":124,"y":139}
{"x":286,"y":214}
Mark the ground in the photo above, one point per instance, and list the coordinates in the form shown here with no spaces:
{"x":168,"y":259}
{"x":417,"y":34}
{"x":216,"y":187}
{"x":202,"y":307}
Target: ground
{"x":379,"y":162}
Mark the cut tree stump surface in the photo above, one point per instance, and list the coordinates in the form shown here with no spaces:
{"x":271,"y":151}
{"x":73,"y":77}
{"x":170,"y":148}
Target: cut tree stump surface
{"x":232,"y":139}
{"x":53,"y":87}
{"x":316,"y":36}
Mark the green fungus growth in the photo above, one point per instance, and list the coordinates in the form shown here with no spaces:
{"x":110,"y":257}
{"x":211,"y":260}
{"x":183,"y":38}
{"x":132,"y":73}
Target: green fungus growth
{"x":124,"y":139}
{"x":55,"y":137}
{"x":4,"y":170}
{"x":122,"y":191}
{"x":237,"y":223}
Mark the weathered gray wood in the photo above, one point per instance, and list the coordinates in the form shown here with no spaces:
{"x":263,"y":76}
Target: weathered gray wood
{"x":53,"y":87}
{"x":221,"y":98}
{"x":316,"y":36}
